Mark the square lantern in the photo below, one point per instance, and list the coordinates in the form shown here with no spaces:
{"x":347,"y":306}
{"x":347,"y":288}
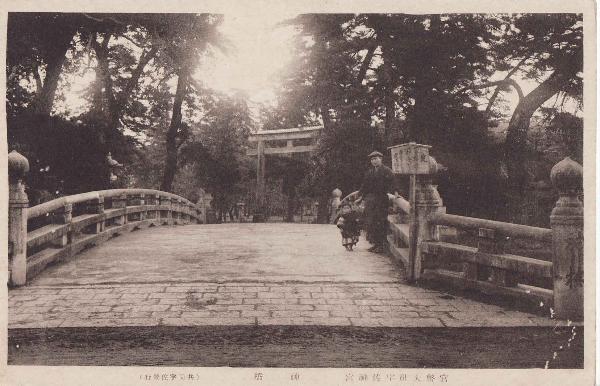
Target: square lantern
{"x":410,"y":158}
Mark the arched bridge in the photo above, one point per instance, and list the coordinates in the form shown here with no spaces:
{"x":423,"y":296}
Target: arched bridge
{"x":280,"y":274}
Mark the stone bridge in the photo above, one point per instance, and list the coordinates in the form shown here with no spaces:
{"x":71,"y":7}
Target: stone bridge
{"x":139,"y":258}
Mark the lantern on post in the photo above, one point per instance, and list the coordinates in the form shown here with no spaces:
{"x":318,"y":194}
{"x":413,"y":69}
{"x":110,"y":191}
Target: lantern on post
{"x":112,"y":167}
{"x":414,"y":159}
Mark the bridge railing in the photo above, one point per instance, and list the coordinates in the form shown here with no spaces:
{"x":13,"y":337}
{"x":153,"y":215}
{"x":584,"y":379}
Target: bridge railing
{"x":61,"y":228}
{"x":399,"y":230}
{"x":426,"y":240}
{"x":487,"y":266}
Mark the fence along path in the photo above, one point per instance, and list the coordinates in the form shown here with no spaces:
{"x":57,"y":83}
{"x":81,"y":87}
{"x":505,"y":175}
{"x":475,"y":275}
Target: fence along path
{"x":426,"y":240}
{"x":61,"y":228}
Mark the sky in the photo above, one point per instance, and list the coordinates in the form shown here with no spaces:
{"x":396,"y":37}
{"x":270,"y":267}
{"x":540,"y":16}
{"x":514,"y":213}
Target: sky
{"x":261,"y":49}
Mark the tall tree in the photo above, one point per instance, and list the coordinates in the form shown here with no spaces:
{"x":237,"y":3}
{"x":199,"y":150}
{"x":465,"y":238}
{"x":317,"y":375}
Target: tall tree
{"x":187,"y":38}
{"x":113,"y":90}
{"x":216,"y":150}
{"x":547,"y":49}
{"x":37,"y":44}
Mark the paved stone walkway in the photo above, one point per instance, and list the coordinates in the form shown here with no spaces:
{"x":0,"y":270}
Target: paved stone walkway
{"x":245,"y":303}
{"x":240,"y":274}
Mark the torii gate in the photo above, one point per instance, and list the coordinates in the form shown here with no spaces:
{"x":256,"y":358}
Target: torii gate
{"x":305,"y":135}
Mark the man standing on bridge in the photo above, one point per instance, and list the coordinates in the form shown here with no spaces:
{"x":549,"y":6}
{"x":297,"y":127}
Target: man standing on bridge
{"x":376,"y":184}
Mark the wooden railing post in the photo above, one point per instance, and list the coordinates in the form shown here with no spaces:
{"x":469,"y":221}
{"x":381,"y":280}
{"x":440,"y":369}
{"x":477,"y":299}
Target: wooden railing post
{"x":18,"y":203}
{"x":120,"y":202}
{"x":191,"y":211}
{"x":168,"y":218}
{"x":137,"y":200}
{"x":175,"y":210}
{"x":182,"y":212}
{"x":566,"y":221}
{"x":156,"y":202}
{"x":188,"y":212}
{"x":427,"y":202}
{"x":64,"y":216}
{"x":183,"y":209}
{"x":179,"y":211}
{"x":97,"y":207}
{"x":492,"y":243}
{"x":142,"y":202}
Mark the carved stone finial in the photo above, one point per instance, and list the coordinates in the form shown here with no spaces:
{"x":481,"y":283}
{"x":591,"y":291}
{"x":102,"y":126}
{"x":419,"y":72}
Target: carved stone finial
{"x":567,"y":176}
{"x":427,"y":193}
{"x":566,"y":221}
{"x":18,"y":165}
{"x":336,"y":193}
{"x":434,"y":166}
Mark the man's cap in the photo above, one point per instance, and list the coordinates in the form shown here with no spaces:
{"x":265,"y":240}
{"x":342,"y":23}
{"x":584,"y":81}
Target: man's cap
{"x":375,"y":154}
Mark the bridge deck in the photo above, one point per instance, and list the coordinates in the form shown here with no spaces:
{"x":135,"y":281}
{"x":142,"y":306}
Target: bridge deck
{"x":240,"y":274}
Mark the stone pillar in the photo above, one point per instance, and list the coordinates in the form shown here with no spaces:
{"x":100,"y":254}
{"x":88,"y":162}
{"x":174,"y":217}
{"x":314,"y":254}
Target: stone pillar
{"x":566,"y":221}
{"x":427,"y":201}
{"x":18,"y":203}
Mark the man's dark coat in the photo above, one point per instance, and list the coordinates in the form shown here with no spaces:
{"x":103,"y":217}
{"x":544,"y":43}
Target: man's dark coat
{"x":378,"y":181}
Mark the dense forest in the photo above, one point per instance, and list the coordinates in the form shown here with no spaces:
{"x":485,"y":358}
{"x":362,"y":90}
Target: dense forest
{"x":498,"y":97}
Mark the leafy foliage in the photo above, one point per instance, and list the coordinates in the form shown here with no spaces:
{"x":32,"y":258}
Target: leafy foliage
{"x":371,"y":80}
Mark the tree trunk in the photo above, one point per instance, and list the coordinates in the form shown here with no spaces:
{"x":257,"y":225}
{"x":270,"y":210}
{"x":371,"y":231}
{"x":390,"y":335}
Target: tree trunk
{"x":515,"y":146}
{"x":418,"y":122}
{"x":54,"y":62}
{"x":323,"y":210}
{"x":389,"y":94}
{"x":97,"y":97}
{"x":145,"y":58}
{"x":389,"y":116}
{"x":172,"y":133}
{"x":113,"y":105}
{"x":365,"y":65}
{"x":291,"y":201}
{"x":108,"y":103}
{"x":325,"y":117}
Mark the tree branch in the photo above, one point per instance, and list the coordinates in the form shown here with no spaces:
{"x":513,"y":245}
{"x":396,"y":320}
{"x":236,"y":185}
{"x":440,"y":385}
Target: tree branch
{"x":503,"y":82}
{"x":38,"y":80}
{"x":365,"y":64}
{"x":101,"y":50}
{"x":497,"y":90}
{"x":103,"y":20}
{"x":137,"y":44}
{"x":135,"y":75}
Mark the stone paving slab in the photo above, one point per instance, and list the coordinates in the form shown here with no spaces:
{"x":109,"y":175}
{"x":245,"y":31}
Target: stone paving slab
{"x":224,"y":252}
{"x":240,"y":274}
{"x":362,"y":304}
